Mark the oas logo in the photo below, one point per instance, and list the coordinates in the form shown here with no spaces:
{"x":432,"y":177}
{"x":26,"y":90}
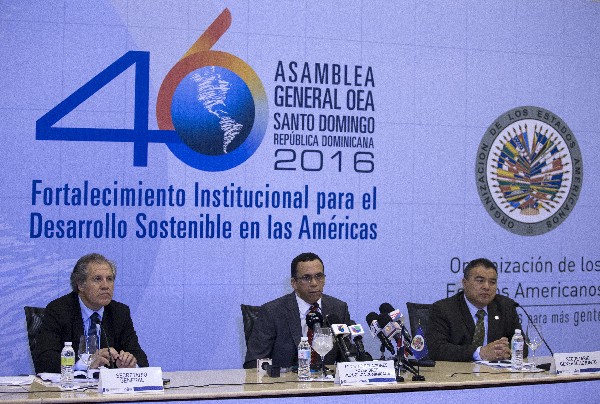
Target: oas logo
{"x":212,"y":109}
{"x":418,"y":343}
{"x":529,"y":170}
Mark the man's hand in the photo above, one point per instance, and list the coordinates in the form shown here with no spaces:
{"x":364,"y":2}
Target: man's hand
{"x":125,"y":360}
{"x":496,"y":350}
{"x":101,"y":358}
{"x":121,"y":359}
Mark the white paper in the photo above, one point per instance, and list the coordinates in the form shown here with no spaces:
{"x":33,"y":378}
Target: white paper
{"x":506,"y":364}
{"x":16,"y":380}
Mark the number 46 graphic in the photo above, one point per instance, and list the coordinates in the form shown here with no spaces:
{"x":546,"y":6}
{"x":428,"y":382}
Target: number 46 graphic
{"x":234,"y":110}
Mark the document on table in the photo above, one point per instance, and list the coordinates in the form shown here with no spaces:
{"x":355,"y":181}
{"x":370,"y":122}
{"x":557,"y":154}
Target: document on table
{"x":55,"y":377}
{"x":16,"y":380}
{"x":506,"y":364}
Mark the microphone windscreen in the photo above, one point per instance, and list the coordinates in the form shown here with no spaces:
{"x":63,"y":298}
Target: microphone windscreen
{"x":313,"y":318}
{"x":386,"y":308}
{"x":372,"y":316}
{"x":384,"y":319}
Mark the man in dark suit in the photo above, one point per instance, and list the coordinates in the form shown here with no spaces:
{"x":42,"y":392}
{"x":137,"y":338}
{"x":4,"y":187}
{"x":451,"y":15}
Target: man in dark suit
{"x":73,"y":315}
{"x":282,"y":322}
{"x":454,"y":334}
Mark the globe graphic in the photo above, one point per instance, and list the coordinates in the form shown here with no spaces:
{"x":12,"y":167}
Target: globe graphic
{"x":212,"y":110}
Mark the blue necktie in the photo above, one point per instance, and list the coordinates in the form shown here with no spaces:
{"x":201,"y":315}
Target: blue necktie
{"x":94,"y":319}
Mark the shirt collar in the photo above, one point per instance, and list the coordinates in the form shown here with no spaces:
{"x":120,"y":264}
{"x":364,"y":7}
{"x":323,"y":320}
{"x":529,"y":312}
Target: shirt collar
{"x":303,"y":306}
{"x":472,"y":309}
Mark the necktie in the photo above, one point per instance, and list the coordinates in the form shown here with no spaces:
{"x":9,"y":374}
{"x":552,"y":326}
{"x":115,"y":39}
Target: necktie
{"x":479,"y":333}
{"x":94,"y":318}
{"x":314,"y":356}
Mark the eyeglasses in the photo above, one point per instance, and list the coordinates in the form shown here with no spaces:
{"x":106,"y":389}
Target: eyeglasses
{"x":309,"y":278}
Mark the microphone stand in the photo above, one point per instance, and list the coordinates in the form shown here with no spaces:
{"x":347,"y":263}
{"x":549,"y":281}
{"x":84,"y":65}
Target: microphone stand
{"x":544,"y":366}
{"x":111,"y":363}
{"x":401,"y":361}
{"x":382,"y":350}
{"x":417,"y":377}
{"x":398,"y":366}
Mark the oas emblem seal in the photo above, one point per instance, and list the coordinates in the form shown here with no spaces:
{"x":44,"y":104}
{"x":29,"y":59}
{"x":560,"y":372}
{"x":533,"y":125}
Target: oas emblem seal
{"x":529,"y":170}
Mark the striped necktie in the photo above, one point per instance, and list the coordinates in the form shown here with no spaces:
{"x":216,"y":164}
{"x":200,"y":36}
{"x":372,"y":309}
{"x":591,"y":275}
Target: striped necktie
{"x":479,"y":334}
{"x":315,"y":359}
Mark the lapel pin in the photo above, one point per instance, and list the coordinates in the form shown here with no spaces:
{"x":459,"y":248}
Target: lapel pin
{"x":496,"y":318}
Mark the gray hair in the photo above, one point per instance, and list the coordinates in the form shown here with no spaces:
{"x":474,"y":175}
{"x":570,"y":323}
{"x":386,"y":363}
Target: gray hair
{"x":80,"y":271}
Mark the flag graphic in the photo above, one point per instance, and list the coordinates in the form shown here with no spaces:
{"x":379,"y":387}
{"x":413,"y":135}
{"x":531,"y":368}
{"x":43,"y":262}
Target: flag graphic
{"x":418,"y":345}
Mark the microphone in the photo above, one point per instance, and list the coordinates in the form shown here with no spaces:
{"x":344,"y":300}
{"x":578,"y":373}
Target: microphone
{"x":314,"y":318}
{"x":391,"y":329}
{"x":98,"y":323}
{"x":356,"y":333}
{"x":386,"y":308}
{"x":545,"y":366}
{"x":403,"y":338}
{"x":377,"y":331}
{"x":397,"y":316}
{"x":340,"y":331}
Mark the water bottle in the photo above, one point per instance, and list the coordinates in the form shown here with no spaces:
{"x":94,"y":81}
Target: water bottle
{"x":304,"y":360}
{"x":67,"y":362}
{"x":516,"y":350}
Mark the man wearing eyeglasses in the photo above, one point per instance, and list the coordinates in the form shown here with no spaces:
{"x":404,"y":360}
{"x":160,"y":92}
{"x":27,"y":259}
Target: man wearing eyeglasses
{"x":475,"y":324}
{"x":282,"y":322}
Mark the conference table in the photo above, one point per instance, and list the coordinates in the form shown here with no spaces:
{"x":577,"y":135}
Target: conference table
{"x":447,"y":382}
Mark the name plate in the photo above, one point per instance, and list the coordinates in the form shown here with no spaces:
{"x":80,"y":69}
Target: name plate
{"x":577,"y":362}
{"x":130,"y":380}
{"x":372,"y":372}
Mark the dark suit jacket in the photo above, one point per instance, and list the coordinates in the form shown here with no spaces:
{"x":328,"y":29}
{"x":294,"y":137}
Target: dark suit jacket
{"x":277,"y":331}
{"x":450,"y":335}
{"x":63,"y":322}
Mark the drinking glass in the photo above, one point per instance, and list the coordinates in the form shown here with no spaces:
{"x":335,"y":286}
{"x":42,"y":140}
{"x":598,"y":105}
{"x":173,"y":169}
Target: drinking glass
{"x":533,"y":339}
{"x":322,"y":343}
{"x":88,"y":346}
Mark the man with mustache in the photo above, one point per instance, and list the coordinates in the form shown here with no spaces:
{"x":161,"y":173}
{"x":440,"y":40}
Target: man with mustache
{"x":282,"y":322}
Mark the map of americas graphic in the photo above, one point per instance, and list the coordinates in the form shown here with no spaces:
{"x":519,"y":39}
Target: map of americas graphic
{"x":213,"y":111}
{"x":212,"y":93}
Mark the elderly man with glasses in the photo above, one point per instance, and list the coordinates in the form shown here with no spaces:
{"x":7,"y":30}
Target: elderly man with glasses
{"x":282,"y":322}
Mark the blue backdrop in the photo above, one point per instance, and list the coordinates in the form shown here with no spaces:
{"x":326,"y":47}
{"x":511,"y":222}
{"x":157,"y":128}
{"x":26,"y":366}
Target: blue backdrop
{"x":368,"y":115}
